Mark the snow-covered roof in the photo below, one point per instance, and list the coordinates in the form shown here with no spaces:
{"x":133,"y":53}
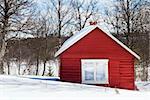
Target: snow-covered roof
{"x":79,"y":35}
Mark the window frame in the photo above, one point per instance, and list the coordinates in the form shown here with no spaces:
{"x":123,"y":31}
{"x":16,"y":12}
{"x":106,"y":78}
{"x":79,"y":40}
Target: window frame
{"x":94,"y":81}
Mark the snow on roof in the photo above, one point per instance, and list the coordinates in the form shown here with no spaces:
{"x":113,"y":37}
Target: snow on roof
{"x":76,"y":37}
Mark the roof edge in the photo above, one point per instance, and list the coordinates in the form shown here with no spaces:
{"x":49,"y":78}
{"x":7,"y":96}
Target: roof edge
{"x":62,"y":49}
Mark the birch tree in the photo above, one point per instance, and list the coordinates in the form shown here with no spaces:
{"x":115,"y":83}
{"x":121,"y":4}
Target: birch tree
{"x":14,"y":18}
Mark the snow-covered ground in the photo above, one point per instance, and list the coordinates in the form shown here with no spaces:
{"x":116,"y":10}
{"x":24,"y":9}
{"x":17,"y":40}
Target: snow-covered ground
{"x":143,"y":86}
{"x":26,"y":69}
{"x":25,"y":88}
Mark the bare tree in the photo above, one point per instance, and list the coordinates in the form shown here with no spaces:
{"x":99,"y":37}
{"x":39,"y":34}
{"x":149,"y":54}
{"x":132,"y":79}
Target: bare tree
{"x":125,"y":18}
{"x":144,"y":38}
{"x":37,"y":32}
{"x":129,"y":21}
{"x":14,"y":16}
{"x":61,"y":16}
{"x":44,"y":30}
{"x":84,"y":11}
{"x":48,"y":44}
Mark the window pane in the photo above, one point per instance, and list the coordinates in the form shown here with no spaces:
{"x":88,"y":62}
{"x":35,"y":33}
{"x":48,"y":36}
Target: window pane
{"x":89,"y":75}
{"x":100,"y":76}
{"x":89,"y":71}
{"x":101,"y":71}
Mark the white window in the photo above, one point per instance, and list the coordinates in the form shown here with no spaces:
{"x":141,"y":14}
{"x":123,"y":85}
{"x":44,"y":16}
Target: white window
{"x":94,"y":71}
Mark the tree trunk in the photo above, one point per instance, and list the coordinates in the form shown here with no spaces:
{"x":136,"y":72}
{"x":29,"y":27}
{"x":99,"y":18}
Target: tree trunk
{"x":148,"y":53}
{"x":2,"y":53}
{"x":145,"y":73}
{"x":44,"y":68}
{"x":37,"y":65}
{"x":1,"y":67}
{"x":8,"y":66}
{"x":19,"y":65}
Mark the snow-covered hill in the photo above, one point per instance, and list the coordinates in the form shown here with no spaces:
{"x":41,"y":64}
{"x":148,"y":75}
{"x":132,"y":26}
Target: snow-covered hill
{"x":143,"y":86}
{"x":24,"y":88}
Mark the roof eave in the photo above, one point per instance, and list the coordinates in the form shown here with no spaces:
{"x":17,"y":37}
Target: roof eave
{"x":61,"y":50}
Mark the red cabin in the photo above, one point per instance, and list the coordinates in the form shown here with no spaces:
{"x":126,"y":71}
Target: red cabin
{"x":93,"y":56}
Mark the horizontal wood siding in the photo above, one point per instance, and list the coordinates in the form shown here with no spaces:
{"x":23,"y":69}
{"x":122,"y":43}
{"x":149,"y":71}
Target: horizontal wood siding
{"x":127,"y":74}
{"x":97,"y":45}
{"x":114,"y":73}
{"x":70,"y":70}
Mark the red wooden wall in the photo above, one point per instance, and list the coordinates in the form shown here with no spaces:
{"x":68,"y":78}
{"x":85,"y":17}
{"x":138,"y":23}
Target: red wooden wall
{"x":99,"y":46}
